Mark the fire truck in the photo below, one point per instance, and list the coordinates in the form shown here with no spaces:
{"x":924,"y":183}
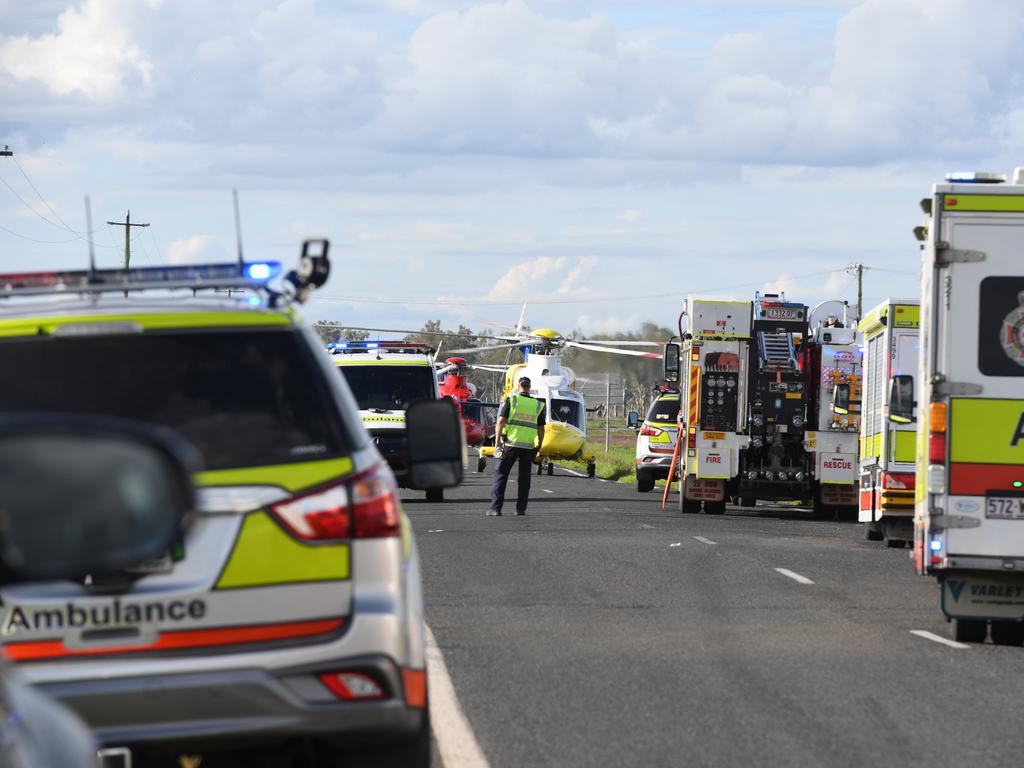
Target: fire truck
{"x":774,"y":464}
{"x":969,"y":494}
{"x":831,"y":361}
{"x":887,"y":441}
{"x":710,"y":366}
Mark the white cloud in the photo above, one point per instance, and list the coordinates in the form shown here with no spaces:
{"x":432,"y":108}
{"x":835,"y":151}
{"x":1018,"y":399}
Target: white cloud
{"x":573,"y":282}
{"x":632,"y":216}
{"x":91,"y":54}
{"x":530,"y":278}
{"x":196,"y":250}
{"x":593,"y":326}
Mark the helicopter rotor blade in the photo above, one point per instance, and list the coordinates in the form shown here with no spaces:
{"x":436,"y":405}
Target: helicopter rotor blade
{"x":613,"y":350}
{"x":471,"y":350}
{"x":609,"y":343}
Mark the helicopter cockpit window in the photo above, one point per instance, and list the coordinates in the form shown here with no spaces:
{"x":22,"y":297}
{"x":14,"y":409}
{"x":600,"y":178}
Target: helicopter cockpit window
{"x":567,"y":411}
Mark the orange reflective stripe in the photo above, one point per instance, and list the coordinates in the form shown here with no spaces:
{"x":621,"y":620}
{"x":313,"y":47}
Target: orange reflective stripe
{"x":186,"y":638}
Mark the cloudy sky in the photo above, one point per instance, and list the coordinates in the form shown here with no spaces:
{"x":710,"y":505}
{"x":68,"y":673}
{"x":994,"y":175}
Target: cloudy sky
{"x":599,"y":159}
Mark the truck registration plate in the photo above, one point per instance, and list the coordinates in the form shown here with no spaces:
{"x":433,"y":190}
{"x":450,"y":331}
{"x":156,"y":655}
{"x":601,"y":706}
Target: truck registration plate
{"x":783,"y":313}
{"x":1004,"y":508}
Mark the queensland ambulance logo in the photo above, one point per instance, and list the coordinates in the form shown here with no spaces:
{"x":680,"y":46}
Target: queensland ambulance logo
{"x":1012,"y":334}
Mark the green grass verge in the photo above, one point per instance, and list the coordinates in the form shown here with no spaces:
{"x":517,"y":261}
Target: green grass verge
{"x":618,"y":464}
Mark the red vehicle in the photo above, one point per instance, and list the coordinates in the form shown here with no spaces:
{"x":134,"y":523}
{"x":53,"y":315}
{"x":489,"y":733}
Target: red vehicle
{"x":454,"y":383}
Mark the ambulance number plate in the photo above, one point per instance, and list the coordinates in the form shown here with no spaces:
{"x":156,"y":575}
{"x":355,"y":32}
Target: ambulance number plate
{"x":1004,"y":507}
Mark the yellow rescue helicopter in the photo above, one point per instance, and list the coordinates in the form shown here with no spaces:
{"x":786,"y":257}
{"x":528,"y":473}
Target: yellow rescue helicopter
{"x":565,"y":434}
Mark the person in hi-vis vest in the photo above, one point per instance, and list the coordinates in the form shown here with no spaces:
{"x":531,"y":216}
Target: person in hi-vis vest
{"x":519,"y":434}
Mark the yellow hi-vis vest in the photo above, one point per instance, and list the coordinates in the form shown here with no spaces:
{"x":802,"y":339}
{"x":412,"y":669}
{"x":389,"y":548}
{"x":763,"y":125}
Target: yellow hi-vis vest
{"x":521,"y":428}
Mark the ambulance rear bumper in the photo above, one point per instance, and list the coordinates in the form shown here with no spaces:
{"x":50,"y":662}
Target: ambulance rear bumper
{"x":235,"y":708}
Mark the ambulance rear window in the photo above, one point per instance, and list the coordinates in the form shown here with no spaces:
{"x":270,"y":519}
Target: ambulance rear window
{"x":242,"y":398}
{"x":664,"y":410}
{"x":1001,"y":326}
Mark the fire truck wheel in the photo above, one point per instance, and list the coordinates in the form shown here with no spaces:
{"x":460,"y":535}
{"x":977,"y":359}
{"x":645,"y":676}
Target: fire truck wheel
{"x":1007,"y":633}
{"x":689,"y":506}
{"x":969,"y":631}
{"x":714,"y":507}
{"x":871,"y":532}
{"x":896,"y":543}
{"x":822,"y":511}
{"x":644,"y":482}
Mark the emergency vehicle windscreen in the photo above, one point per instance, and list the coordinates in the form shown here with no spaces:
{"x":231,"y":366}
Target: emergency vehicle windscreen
{"x":664,"y":410}
{"x":241,"y":398}
{"x":389,"y":387}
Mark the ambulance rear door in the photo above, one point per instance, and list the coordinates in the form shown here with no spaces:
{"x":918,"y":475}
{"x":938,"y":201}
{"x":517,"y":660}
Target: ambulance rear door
{"x":978,"y":348}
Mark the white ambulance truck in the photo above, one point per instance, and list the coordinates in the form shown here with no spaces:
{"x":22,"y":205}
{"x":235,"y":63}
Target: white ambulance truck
{"x":888,"y":441}
{"x":969,"y":502}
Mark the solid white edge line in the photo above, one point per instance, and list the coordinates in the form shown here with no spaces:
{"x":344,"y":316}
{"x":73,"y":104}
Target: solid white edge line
{"x":938,"y":638}
{"x":794,"y":576}
{"x":572,"y":472}
{"x":455,"y":740}
{"x":706,"y":541}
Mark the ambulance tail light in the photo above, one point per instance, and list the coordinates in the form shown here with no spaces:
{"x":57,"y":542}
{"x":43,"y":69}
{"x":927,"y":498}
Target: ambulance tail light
{"x":649,"y":431}
{"x":937,"y":423}
{"x":322,"y":514}
{"x":375,"y":505}
{"x":352,"y":686}
{"x":367,"y":508}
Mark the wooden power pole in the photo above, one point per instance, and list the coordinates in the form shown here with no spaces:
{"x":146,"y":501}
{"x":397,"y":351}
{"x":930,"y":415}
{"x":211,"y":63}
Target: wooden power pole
{"x":127,"y":224}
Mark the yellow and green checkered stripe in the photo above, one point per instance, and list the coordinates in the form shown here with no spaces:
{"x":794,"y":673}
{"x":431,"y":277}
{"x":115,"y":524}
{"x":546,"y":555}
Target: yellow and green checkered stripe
{"x":156,"y":321}
{"x":264,"y":554}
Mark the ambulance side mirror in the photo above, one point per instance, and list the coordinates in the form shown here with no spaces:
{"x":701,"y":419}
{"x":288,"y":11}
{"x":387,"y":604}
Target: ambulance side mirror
{"x":841,"y":398}
{"x":632,"y":419}
{"x":672,"y":363}
{"x":83,"y":495}
{"x":436,"y":444}
{"x":901,"y":399}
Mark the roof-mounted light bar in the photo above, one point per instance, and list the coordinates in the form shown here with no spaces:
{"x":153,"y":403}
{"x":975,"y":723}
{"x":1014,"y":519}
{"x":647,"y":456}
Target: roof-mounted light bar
{"x":975,"y":177}
{"x":255,"y":274}
{"x":344,"y":347}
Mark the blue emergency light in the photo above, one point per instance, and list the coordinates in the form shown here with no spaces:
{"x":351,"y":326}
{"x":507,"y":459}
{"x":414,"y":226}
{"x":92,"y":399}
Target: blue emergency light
{"x":192,"y":276}
{"x":975,"y":177}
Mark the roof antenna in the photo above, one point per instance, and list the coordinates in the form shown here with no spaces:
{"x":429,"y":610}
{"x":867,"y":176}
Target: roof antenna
{"x":88,"y":229}
{"x":238,"y":231}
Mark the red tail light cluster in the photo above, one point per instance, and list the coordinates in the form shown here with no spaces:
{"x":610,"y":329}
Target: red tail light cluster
{"x":364,"y":507}
{"x":649,"y":431}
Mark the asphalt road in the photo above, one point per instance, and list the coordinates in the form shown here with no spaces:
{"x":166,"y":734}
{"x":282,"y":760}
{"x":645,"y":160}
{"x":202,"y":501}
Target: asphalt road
{"x":600,"y":631}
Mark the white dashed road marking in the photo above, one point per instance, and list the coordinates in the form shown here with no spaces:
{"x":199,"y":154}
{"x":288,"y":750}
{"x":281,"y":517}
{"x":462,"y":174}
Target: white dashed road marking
{"x":938,"y":639}
{"x":572,"y":472}
{"x":706,"y":541}
{"x":546,"y":490}
{"x":455,"y":740}
{"x":794,"y":576}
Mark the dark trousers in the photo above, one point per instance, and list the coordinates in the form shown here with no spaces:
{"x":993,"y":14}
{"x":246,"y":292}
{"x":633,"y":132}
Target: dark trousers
{"x":509,"y":457}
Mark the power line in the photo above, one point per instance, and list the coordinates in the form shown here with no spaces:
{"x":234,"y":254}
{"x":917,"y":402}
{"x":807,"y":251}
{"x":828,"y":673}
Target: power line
{"x":34,"y":240}
{"x":454,"y":302}
{"x":43,"y":199}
